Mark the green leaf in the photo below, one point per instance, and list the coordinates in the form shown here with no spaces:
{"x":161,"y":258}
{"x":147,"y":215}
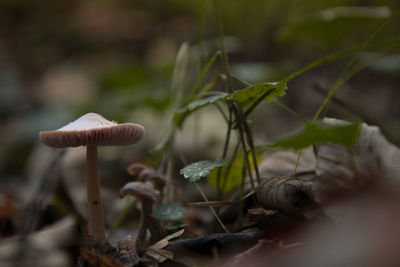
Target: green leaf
{"x":250,"y":94}
{"x":318,"y":133}
{"x":181,"y":114}
{"x":169,"y":212}
{"x":197,"y":170}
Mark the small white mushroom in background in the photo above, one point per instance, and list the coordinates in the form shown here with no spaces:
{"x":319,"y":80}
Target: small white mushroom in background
{"x":92,"y":130}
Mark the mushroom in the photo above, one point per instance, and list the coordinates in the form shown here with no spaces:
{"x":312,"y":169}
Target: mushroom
{"x":151,"y":176}
{"x":136,"y":168}
{"x":92,"y":130}
{"x":147,"y":196}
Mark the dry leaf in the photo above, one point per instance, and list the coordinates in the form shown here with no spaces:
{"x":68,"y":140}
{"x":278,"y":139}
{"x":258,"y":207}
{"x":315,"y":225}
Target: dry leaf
{"x":372,"y":158}
{"x":164,"y":242}
{"x":157,"y":252}
{"x":160,"y":255}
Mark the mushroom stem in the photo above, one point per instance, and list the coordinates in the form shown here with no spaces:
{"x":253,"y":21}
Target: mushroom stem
{"x":147,"y":207}
{"x":95,"y":207}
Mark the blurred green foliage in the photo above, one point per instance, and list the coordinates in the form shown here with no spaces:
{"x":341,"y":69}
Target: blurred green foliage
{"x":320,"y":133}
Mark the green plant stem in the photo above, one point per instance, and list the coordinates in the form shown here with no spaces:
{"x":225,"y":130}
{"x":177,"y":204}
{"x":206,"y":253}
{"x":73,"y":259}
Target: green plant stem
{"x":243,"y":142}
{"x":244,"y":115}
{"x":202,"y":74}
{"x":239,"y":220}
{"x":297,"y":116}
{"x":211,"y":208}
{"x":224,"y":153}
{"x":346,"y":73}
{"x":221,"y":111}
{"x":250,"y":141}
{"x":297,"y":161}
{"x":243,"y":126}
{"x":200,"y":25}
{"x":228,"y":170}
{"x":224,"y":53}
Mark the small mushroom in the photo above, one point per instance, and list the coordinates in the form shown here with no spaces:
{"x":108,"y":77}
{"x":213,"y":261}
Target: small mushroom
{"x":147,"y":196}
{"x":136,"y":168}
{"x":92,"y":130}
{"x":151,"y":176}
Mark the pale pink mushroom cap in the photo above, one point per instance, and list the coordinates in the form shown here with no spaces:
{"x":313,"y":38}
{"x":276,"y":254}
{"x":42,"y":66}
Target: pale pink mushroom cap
{"x":94,"y":129}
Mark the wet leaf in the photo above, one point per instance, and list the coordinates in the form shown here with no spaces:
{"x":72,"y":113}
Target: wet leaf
{"x":169,"y":212}
{"x":248,"y":95}
{"x":318,"y":133}
{"x":197,"y":170}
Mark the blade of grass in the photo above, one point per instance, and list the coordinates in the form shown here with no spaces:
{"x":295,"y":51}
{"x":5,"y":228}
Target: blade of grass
{"x":211,"y":208}
{"x":202,"y":74}
{"x":229,"y":168}
{"x":346,"y":73}
{"x":294,"y":113}
{"x":224,"y":53}
{"x":225,"y":151}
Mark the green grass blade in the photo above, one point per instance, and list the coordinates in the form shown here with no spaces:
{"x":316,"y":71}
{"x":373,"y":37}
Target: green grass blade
{"x":202,"y":74}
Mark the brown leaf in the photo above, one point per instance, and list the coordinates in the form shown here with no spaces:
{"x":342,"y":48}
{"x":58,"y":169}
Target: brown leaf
{"x":164,"y":242}
{"x":289,"y":194}
{"x":160,"y":255}
{"x":157,"y":252}
{"x":371,"y":159}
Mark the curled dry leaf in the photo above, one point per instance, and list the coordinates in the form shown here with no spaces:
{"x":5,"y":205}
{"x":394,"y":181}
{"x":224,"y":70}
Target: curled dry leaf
{"x":289,"y":194}
{"x":262,"y":215}
{"x":337,"y":169}
{"x":283,"y":163}
{"x":372,"y":158}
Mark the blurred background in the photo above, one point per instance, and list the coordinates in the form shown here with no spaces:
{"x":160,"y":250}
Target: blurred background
{"x":61,"y":59}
